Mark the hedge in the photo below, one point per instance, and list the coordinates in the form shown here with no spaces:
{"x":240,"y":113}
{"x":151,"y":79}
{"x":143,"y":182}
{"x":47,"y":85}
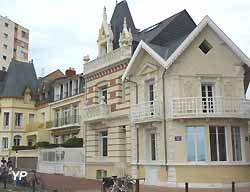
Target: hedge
{"x":73,"y":143}
{"x":19,"y":148}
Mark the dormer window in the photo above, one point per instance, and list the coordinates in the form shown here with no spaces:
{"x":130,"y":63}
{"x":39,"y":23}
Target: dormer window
{"x":205,"y":47}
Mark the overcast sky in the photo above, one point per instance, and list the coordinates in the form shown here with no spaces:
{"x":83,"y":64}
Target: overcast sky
{"x":63,"y":31}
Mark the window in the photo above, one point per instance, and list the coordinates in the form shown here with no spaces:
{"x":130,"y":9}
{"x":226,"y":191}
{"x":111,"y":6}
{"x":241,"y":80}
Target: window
{"x":17,"y":140}
{"x":5,"y":144}
{"x":207,"y":93}
{"x":6,"y":117}
{"x":153,"y":146}
{"x":103,"y":95}
{"x":57,"y":118}
{"x":6,"y":35}
{"x":6,"y":24}
{"x":4,"y":57}
{"x":101,"y":174}
{"x":205,"y":46}
{"x":4,"y":68}
{"x":5,"y":46}
{"x":151,"y":91}
{"x":195,"y":138}
{"x":75,"y":114}
{"x":218,"y":143}
{"x":66,"y":116}
{"x":18,"y":119}
{"x":104,"y":143}
{"x":23,"y":33}
{"x":31,"y":118}
{"x":76,"y":87}
{"x":30,"y":142}
{"x":56,"y":140}
{"x":43,"y":117}
{"x":22,"y":44}
{"x":236,"y":144}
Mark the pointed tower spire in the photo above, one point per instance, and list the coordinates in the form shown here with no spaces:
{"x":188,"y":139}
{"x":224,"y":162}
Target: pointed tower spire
{"x":126,"y":35}
{"x":125,"y":26}
{"x":104,"y":14}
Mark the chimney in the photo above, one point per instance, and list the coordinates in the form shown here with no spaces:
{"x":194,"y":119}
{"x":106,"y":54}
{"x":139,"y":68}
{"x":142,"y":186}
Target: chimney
{"x":70,"y":72}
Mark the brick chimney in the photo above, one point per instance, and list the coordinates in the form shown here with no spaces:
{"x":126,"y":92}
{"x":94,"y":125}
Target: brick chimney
{"x":70,"y":72}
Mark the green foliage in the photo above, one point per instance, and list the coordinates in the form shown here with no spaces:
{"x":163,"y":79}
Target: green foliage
{"x":73,"y":143}
{"x":19,"y":148}
{"x":45,"y":144}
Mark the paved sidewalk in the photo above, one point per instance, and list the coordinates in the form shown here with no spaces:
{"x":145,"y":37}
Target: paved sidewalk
{"x":72,"y":184}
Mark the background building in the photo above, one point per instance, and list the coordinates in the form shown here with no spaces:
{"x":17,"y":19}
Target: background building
{"x":14,"y":42}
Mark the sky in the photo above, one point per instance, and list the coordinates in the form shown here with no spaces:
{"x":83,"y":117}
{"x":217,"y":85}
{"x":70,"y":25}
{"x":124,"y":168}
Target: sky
{"x":63,"y":31}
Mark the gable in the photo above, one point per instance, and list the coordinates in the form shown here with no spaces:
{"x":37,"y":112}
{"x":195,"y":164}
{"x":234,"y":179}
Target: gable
{"x":220,"y":59}
{"x":144,"y":64}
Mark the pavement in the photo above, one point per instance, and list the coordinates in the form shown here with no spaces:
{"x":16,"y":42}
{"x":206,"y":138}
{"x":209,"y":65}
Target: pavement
{"x":59,"y":183}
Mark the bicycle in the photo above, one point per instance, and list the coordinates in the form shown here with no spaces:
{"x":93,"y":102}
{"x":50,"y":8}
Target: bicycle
{"x":122,"y":184}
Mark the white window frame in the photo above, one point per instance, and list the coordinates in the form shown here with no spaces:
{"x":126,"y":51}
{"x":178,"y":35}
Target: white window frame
{"x":17,"y":140}
{"x":101,"y":143}
{"x":148,"y":144}
{"x":5,"y":145}
{"x":18,"y":120}
{"x":196,"y":144}
{"x":217,"y":144}
{"x":4,"y":121}
{"x":241,"y":144}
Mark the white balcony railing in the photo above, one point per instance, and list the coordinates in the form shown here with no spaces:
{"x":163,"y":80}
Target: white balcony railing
{"x":109,"y":59}
{"x":96,"y":112}
{"x":147,"y":111}
{"x":210,"y":107}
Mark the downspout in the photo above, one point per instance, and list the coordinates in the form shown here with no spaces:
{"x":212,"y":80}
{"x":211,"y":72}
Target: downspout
{"x":137,"y":129}
{"x":164,"y":116}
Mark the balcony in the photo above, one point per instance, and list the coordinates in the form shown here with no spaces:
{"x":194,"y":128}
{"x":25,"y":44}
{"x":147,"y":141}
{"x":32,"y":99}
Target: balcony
{"x":111,"y":58}
{"x":66,"y":122}
{"x":97,"y":112}
{"x":203,"y":107}
{"x":147,"y":112}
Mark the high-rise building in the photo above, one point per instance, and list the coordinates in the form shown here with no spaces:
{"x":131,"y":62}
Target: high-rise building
{"x":14,"y":42}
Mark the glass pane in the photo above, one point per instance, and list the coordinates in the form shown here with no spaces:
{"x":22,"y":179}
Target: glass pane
{"x":191,"y":144}
{"x":105,"y":147}
{"x":222,"y":143}
{"x":236,"y":144}
{"x":153,"y":145}
{"x":201,"y":156}
{"x":213,"y":143}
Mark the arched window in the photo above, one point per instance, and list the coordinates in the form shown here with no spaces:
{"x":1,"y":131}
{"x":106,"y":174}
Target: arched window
{"x":17,"y":140}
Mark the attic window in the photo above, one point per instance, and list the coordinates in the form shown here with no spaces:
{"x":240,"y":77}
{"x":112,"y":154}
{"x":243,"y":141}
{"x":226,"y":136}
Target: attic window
{"x":152,"y":27}
{"x":205,"y":46}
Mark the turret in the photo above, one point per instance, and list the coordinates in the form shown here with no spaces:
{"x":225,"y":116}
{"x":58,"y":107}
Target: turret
{"x":105,"y":38}
{"x":126,"y":37}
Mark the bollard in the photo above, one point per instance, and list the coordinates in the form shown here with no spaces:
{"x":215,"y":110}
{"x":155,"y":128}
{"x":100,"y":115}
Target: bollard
{"x":137,"y":185}
{"x":186,"y":187}
{"x":233,"y":186}
{"x":33,"y":185}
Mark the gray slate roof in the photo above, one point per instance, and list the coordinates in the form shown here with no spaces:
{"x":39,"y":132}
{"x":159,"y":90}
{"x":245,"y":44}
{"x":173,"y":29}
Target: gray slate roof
{"x":19,"y":76}
{"x":164,"y":37}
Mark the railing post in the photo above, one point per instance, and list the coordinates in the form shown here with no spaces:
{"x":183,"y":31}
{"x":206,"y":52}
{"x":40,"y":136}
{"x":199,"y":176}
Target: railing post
{"x":186,"y":187}
{"x":233,"y":186}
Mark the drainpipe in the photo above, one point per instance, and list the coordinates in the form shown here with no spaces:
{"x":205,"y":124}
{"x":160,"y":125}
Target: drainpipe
{"x":137,"y":129}
{"x":164,"y":116}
